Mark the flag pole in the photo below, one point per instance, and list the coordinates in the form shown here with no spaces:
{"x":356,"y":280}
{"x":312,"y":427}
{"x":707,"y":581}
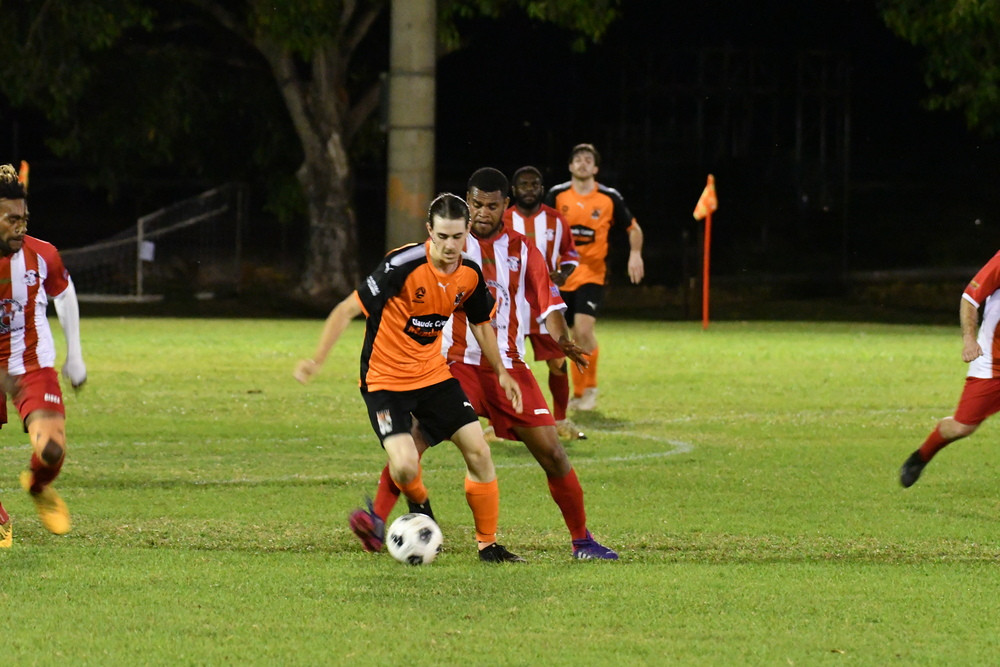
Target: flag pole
{"x":705,"y":271}
{"x":706,"y":205}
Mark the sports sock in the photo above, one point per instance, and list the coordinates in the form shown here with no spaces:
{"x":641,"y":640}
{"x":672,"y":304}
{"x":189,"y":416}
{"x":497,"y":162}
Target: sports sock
{"x":415,"y":490}
{"x":578,"y":380}
{"x":590,"y":374}
{"x":4,"y":517}
{"x":933,"y":444}
{"x":42,"y":475}
{"x":559,"y":387}
{"x":568,"y":494}
{"x":484,"y":501}
{"x":386,"y":495}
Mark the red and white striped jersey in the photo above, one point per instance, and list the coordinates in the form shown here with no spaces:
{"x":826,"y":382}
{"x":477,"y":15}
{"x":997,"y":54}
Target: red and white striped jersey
{"x":27,"y":279}
{"x":551,"y":235}
{"x":518,"y":278}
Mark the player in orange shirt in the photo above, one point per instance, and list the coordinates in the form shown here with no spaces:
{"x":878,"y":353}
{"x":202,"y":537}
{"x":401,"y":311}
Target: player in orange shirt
{"x":592,"y":211}
{"x":407,"y":301}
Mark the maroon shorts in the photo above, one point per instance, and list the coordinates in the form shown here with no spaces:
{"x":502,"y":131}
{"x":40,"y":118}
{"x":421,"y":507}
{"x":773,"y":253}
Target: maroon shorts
{"x":980,"y":399}
{"x":39,"y":391}
{"x":545,"y":347}
{"x":489,"y":400}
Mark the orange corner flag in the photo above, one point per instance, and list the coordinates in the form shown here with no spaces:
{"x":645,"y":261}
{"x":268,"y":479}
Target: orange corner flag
{"x":707,"y":203}
{"x":22,"y":175}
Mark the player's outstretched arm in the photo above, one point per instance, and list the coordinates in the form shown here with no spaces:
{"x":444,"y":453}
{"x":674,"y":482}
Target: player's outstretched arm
{"x":487,"y":339}
{"x":68,"y":312}
{"x":556,"y":325}
{"x":336,"y":322}
{"x":968,"y":317}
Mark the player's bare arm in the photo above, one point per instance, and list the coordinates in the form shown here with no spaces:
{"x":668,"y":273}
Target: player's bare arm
{"x":555,"y":323}
{"x":333,"y":328}
{"x":968,"y":317}
{"x":487,"y":339}
{"x":636,"y":267}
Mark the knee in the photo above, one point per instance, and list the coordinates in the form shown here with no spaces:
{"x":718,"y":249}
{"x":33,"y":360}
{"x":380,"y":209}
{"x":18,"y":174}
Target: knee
{"x":52,"y":453}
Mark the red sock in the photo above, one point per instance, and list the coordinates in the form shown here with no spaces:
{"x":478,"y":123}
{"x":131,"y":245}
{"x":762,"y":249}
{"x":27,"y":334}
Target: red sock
{"x":559,"y":387}
{"x":43,"y":475}
{"x":4,"y":517}
{"x":933,"y":444}
{"x":386,"y":495}
{"x":568,"y":494}
{"x":484,"y":501}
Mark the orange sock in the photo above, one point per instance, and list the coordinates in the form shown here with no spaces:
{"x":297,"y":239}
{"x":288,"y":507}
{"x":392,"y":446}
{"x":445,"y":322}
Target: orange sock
{"x":484,"y":501}
{"x":578,"y":380}
{"x":590,"y":374}
{"x":415,"y":490}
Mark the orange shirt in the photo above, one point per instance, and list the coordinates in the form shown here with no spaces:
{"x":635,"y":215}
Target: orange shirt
{"x":408,"y":302}
{"x":591,"y":218}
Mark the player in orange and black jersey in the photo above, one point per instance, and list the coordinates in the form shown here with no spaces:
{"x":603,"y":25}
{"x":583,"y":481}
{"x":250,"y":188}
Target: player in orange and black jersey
{"x":407,"y":301}
{"x":592,"y":211}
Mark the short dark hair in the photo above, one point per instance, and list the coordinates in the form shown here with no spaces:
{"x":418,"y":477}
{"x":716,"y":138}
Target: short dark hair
{"x":489,"y":179}
{"x":449,"y":207}
{"x":11,"y":186}
{"x":579,"y":148}
{"x":526,"y":169}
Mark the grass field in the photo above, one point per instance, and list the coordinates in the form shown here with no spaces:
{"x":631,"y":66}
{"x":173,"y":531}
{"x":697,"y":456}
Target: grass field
{"x":747,"y":476}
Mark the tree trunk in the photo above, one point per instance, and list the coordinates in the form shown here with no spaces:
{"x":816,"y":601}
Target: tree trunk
{"x":331,"y":262}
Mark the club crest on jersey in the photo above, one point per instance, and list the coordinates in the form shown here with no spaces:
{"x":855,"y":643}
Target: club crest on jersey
{"x":418,"y":296}
{"x":458,"y":298}
{"x":595,"y":214}
{"x":514,"y":264}
{"x":10,"y":311}
{"x":550,"y":235}
{"x":31,"y":277}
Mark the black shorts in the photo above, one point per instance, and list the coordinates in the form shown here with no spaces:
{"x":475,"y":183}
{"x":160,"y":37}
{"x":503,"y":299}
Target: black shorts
{"x":441,"y":408}
{"x":585,"y":299}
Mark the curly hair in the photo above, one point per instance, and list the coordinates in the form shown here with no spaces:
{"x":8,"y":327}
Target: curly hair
{"x":10,"y":186}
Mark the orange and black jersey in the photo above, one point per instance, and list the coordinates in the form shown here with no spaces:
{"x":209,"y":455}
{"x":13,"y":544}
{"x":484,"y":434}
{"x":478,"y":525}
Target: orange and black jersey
{"x":591,"y":217}
{"x":407,"y":302}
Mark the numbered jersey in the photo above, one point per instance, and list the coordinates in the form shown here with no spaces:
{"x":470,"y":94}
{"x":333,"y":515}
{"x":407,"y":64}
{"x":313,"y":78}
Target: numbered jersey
{"x":27,"y":279}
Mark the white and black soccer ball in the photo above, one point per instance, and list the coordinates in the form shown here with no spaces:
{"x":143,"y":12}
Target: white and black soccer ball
{"x":414,"y":539}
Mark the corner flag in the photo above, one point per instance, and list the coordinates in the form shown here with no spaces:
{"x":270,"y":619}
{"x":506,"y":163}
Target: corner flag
{"x":706,"y":205}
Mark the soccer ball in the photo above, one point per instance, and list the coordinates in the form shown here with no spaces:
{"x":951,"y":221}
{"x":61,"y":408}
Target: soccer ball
{"x":414,"y":539}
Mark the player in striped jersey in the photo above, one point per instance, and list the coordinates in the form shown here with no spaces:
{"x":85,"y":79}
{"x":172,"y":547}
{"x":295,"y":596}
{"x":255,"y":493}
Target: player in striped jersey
{"x":517,"y":275}
{"x":981,"y":350}
{"x":544,"y":226}
{"x":407,"y":300}
{"x":31,"y":271}
{"x":593,"y":211}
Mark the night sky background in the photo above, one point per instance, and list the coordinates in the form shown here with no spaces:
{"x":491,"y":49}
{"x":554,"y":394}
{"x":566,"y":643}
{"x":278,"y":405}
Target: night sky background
{"x":808,"y":114}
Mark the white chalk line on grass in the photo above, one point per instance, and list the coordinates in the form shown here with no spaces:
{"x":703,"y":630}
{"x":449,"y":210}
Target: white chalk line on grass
{"x":678,"y":447}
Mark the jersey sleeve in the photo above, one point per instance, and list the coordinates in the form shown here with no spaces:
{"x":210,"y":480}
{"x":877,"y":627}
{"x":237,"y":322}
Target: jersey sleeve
{"x":478,"y":305}
{"x":622,"y":217}
{"x":984,"y":283}
{"x":57,"y":279}
{"x":381,"y":284}
{"x":568,"y":253}
{"x":541,"y":291}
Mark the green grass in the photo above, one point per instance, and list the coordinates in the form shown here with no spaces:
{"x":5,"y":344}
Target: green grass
{"x":747,"y":476}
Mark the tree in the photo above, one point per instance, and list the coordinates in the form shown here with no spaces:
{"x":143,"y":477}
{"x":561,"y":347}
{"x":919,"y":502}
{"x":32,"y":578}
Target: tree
{"x":312,"y":50}
{"x":961,"y":40}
